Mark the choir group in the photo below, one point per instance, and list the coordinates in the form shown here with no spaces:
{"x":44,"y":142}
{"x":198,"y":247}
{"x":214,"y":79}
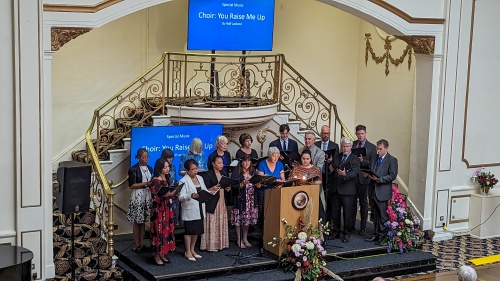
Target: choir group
{"x":355,"y":171}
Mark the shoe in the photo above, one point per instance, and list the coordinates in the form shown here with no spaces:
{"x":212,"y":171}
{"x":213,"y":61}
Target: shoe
{"x":374,"y":238}
{"x":197,"y":256}
{"x":346,"y":238}
{"x":189,"y":258}
{"x":212,"y":251}
{"x":362,"y":232}
{"x":165,"y":260}
{"x":247,"y":244}
{"x":139,"y":249}
{"x":156,"y":262}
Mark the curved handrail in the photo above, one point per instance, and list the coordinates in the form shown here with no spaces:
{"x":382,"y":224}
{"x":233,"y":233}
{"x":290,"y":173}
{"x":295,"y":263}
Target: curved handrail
{"x":160,"y":72}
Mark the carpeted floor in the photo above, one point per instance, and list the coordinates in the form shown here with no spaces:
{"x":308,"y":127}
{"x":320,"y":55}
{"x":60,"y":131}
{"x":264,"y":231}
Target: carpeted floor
{"x":451,"y":254}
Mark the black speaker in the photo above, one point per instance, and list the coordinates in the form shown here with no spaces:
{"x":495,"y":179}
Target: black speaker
{"x":74,"y":187}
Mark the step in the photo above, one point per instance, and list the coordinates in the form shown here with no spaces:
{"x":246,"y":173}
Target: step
{"x":86,"y":263}
{"x":60,"y":219}
{"x":62,"y":249}
{"x":81,"y":232}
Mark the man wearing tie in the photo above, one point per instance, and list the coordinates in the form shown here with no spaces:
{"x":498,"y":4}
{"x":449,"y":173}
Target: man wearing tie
{"x":326,"y":144}
{"x":384,"y":170}
{"x":284,"y":143}
{"x":363,"y":182}
{"x":344,"y":187}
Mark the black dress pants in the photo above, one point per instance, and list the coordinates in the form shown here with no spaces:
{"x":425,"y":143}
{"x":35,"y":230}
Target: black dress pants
{"x":379,"y":214}
{"x":362,"y":197}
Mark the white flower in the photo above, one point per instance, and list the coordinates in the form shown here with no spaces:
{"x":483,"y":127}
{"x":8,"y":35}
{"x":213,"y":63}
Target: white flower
{"x":309,"y":245}
{"x":399,"y":233}
{"x":407,"y":221}
{"x":302,"y":236}
{"x":304,"y":258}
{"x":295,"y":247}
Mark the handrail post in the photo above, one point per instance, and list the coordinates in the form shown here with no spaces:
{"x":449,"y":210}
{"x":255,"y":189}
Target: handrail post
{"x":110,"y":225}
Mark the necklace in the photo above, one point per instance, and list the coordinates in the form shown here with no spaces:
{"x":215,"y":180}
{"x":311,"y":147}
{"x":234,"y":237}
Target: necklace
{"x":145,"y":173}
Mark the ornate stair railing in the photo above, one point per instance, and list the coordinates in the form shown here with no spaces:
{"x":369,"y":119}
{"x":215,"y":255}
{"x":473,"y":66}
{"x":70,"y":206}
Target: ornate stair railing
{"x":199,"y":80}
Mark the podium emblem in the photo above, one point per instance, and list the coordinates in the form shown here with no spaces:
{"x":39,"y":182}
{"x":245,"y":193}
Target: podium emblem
{"x":300,"y":200}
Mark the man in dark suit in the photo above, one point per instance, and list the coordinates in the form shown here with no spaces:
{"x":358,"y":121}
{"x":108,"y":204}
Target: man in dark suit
{"x":344,"y":187}
{"x":384,"y":170}
{"x":284,"y":143}
{"x":362,"y":182}
{"x":326,"y":144}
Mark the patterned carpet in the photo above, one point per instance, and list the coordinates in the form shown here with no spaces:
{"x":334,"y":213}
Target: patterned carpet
{"x":452,"y":254}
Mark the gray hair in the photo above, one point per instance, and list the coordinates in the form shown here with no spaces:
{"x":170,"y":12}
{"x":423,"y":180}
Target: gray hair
{"x":196,"y":146}
{"x":346,"y":140}
{"x":220,"y":139}
{"x":310,"y":133}
{"x":272,"y":150}
{"x":467,"y":273}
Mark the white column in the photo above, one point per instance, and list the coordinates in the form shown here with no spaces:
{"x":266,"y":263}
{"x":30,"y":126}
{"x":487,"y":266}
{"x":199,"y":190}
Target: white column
{"x":32,"y":165}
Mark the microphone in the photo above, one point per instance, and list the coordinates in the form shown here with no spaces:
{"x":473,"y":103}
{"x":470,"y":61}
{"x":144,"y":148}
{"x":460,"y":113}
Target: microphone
{"x":287,"y":169}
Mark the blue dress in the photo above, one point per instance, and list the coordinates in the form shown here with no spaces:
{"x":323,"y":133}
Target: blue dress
{"x":199,"y":158}
{"x":265,"y":169}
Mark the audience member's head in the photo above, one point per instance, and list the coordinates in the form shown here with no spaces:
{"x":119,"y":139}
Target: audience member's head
{"x":466,"y":273}
{"x":378,"y":279}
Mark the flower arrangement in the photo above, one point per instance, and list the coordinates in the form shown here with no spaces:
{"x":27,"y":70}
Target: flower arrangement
{"x":303,"y":252}
{"x":486,"y":180}
{"x":403,"y":227}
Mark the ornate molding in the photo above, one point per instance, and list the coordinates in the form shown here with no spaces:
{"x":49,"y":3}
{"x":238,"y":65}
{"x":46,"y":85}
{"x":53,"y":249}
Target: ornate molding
{"x":404,"y":15}
{"x":387,"y":56}
{"x":62,"y":35}
{"x":79,"y":8}
{"x":423,"y":45}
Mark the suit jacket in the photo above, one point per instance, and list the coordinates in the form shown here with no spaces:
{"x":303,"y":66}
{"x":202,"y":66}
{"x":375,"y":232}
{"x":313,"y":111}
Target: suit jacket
{"x":210,"y":179}
{"x":331,"y":145}
{"x":317,"y":156}
{"x":292,"y":145}
{"x":346,"y":185}
{"x":371,"y":155}
{"x":386,"y":173}
{"x":190,"y":206}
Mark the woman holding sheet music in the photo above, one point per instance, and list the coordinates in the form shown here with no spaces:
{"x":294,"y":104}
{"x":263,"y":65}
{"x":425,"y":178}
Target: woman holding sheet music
{"x":221,"y":150}
{"x":305,"y":173}
{"x":162,"y":215}
{"x":246,"y":147}
{"x":193,"y":211}
{"x":216,"y":235}
{"x":245,"y":211}
{"x":195,"y":152}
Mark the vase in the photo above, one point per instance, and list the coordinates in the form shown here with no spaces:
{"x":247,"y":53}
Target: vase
{"x":485,"y":190}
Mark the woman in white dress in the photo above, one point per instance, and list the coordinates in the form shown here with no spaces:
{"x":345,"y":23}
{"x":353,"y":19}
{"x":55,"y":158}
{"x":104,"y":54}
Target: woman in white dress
{"x":139,"y":209}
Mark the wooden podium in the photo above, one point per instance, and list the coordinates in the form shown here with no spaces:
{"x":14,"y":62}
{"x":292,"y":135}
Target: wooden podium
{"x":278,"y":204}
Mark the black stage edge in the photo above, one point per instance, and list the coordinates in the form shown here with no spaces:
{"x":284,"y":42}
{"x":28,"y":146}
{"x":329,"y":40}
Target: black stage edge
{"x":354,"y":261}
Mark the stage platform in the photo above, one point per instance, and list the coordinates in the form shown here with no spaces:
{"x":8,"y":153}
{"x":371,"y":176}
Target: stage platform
{"x":355,"y":261}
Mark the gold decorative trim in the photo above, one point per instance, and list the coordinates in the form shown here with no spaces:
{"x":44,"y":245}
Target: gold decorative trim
{"x":79,"y":8}
{"x":62,"y":35}
{"x":404,"y":15}
{"x":423,"y":45}
{"x":469,"y":165}
{"x":387,"y":57}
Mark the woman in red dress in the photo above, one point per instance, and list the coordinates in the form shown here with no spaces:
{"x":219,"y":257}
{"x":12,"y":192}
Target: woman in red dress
{"x":162,"y":215}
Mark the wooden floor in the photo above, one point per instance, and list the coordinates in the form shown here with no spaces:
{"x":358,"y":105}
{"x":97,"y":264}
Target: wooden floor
{"x":484,"y":273}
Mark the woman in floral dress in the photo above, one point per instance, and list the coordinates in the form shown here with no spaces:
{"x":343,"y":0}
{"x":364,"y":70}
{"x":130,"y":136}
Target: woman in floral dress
{"x":244,"y":212}
{"x":162,"y":215}
{"x":139,"y":209}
